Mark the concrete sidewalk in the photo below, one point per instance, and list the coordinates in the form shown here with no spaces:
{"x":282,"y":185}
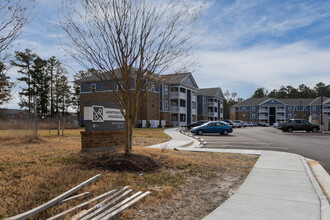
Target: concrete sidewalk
{"x":280,"y":186}
{"x":178,"y":140}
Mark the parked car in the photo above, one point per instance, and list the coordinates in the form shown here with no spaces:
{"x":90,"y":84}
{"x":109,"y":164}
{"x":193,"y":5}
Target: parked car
{"x":213,"y":127}
{"x":299,"y":124}
{"x":195,"y":124}
{"x":239,"y":123}
{"x":249,"y":124}
{"x":264,"y":124}
{"x":230,"y":122}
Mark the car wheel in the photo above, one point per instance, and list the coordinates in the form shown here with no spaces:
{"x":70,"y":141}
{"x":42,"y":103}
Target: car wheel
{"x":314,"y":129}
{"x":200,"y":132}
{"x":225,"y":132}
{"x":290,"y":129}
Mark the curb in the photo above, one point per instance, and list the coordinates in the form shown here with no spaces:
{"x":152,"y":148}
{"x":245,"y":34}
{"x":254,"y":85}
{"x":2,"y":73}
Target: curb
{"x":201,"y":140}
{"x":325,"y":207}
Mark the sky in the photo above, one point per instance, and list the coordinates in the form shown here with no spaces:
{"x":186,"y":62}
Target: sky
{"x":243,"y":45}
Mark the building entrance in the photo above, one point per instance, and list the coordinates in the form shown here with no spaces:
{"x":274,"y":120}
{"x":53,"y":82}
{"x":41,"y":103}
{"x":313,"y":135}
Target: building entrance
{"x":272,"y":113}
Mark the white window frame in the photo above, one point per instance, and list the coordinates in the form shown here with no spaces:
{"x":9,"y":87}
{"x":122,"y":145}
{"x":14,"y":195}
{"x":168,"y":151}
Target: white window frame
{"x":93,"y":85}
{"x":166,"y":89}
{"x":193,"y":105}
{"x":165,"y":105}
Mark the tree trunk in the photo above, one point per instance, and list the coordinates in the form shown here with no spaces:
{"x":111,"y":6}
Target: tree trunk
{"x":129,"y":133}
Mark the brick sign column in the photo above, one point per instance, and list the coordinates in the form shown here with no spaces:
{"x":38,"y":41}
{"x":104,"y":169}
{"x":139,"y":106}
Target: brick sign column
{"x":104,"y":127}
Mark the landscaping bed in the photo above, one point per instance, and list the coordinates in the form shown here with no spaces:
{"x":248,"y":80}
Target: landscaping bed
{"x":183,"y":185}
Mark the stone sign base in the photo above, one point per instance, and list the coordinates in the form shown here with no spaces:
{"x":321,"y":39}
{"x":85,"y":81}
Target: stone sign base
{"x":95,"y":141}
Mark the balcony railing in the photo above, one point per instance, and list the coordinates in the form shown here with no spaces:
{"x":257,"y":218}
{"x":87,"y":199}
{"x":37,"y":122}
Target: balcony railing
{"x":280,"y":110}
{"x":212,"y":104}
{"x":263,"y":117}
{"x":213,"y":114}
{"x":280,"y":117}
{"x":178,"y":95}
{"x":263,"y":110}
{"x":176,"y":109}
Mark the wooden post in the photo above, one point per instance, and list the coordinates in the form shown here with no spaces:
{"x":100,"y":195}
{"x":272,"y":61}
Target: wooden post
{"x":54,"y":201}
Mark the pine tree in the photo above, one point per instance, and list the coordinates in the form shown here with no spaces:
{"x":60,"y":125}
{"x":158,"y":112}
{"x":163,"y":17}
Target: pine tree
{"x":5,"y":85}
{"x":62,"y":93}
{"x":24,"y":61}
{"x":52,"y":66}
{"x":41,"y":84}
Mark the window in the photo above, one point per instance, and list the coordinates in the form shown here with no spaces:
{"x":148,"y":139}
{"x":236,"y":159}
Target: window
{"x":166,"y":89}
{"x":152,"y":103}
{"x":290,"y":109}
{"x":166,"y":105}
{"x":221,"y":102}
{"x":314,"y":108}
{"x":253,"y":109}
{"x":289,"y":116}
{"x":297,"y":109}
{"x":253,"y":116}
{"x":243,"y":108}
{"x":305,"y":122}
{"x":298,"y":121}
{"x":194,"y":93}
{"x":152,"y":87}
{"x":93,"y":88}
{"x":220,"y":110}
{"x":193,"y":105}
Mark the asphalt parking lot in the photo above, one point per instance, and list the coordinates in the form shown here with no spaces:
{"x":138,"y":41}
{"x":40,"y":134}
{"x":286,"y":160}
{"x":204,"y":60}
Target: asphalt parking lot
{"x":312,"y":145}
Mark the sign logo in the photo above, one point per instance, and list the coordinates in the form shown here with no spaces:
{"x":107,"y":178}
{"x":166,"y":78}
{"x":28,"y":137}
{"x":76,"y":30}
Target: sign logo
{"x":97,"y":113}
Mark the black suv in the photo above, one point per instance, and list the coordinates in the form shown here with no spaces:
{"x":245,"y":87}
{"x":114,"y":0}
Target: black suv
{"x":195,"y":124}
{"x":298,"y":124}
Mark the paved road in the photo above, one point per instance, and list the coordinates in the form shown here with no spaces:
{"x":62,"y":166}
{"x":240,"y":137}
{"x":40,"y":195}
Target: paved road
{"x":314,"y":146}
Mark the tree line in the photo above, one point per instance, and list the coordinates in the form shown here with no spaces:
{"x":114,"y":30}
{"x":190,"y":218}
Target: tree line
{"x":290,"y":92}
{"x":45,"y":84}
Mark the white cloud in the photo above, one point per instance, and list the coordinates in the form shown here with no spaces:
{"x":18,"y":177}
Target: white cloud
{"x":264,"y":66}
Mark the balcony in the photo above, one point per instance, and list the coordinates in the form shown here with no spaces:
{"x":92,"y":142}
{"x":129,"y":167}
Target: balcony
{"x":212,"y":104}
{"x":280,"y":117}
{"x":178,"y":95}
{"x":263,"y":110}
{"x":175,"y":109}
{"x":280,"y":110}
{"x":213,"y":114}
{"x":263,"y":117}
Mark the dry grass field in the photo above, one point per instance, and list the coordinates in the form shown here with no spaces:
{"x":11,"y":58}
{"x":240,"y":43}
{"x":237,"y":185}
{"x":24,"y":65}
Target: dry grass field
{"x":34,"y":171}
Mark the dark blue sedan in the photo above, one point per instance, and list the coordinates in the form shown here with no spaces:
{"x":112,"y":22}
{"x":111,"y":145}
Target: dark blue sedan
{"x":213,"y":127}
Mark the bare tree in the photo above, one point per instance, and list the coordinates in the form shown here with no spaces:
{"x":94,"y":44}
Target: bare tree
{"x":14,"y":15}
{"x":129,"y":40}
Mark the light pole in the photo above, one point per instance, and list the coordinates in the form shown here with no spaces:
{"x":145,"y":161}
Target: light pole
{"x":321,"y":105}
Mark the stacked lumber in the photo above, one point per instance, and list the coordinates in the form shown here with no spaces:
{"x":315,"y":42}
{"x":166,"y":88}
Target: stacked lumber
{"x":113,"y":203}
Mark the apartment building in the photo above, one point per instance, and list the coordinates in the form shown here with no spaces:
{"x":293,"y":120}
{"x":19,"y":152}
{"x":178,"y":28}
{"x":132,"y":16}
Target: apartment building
{"x":210,"y":104}
{"x":171,"y":101}
{"x":271,"y":110}
{"x":178,"y":99}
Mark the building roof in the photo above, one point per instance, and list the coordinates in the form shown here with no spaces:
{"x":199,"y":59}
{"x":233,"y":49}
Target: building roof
{"x":317,"y":101}
{"x":252,"y":101}
{"x":290,"y":102}
{"x":175,"y":78}
{"x":211,"y":92}
{"x":105,"y":76}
